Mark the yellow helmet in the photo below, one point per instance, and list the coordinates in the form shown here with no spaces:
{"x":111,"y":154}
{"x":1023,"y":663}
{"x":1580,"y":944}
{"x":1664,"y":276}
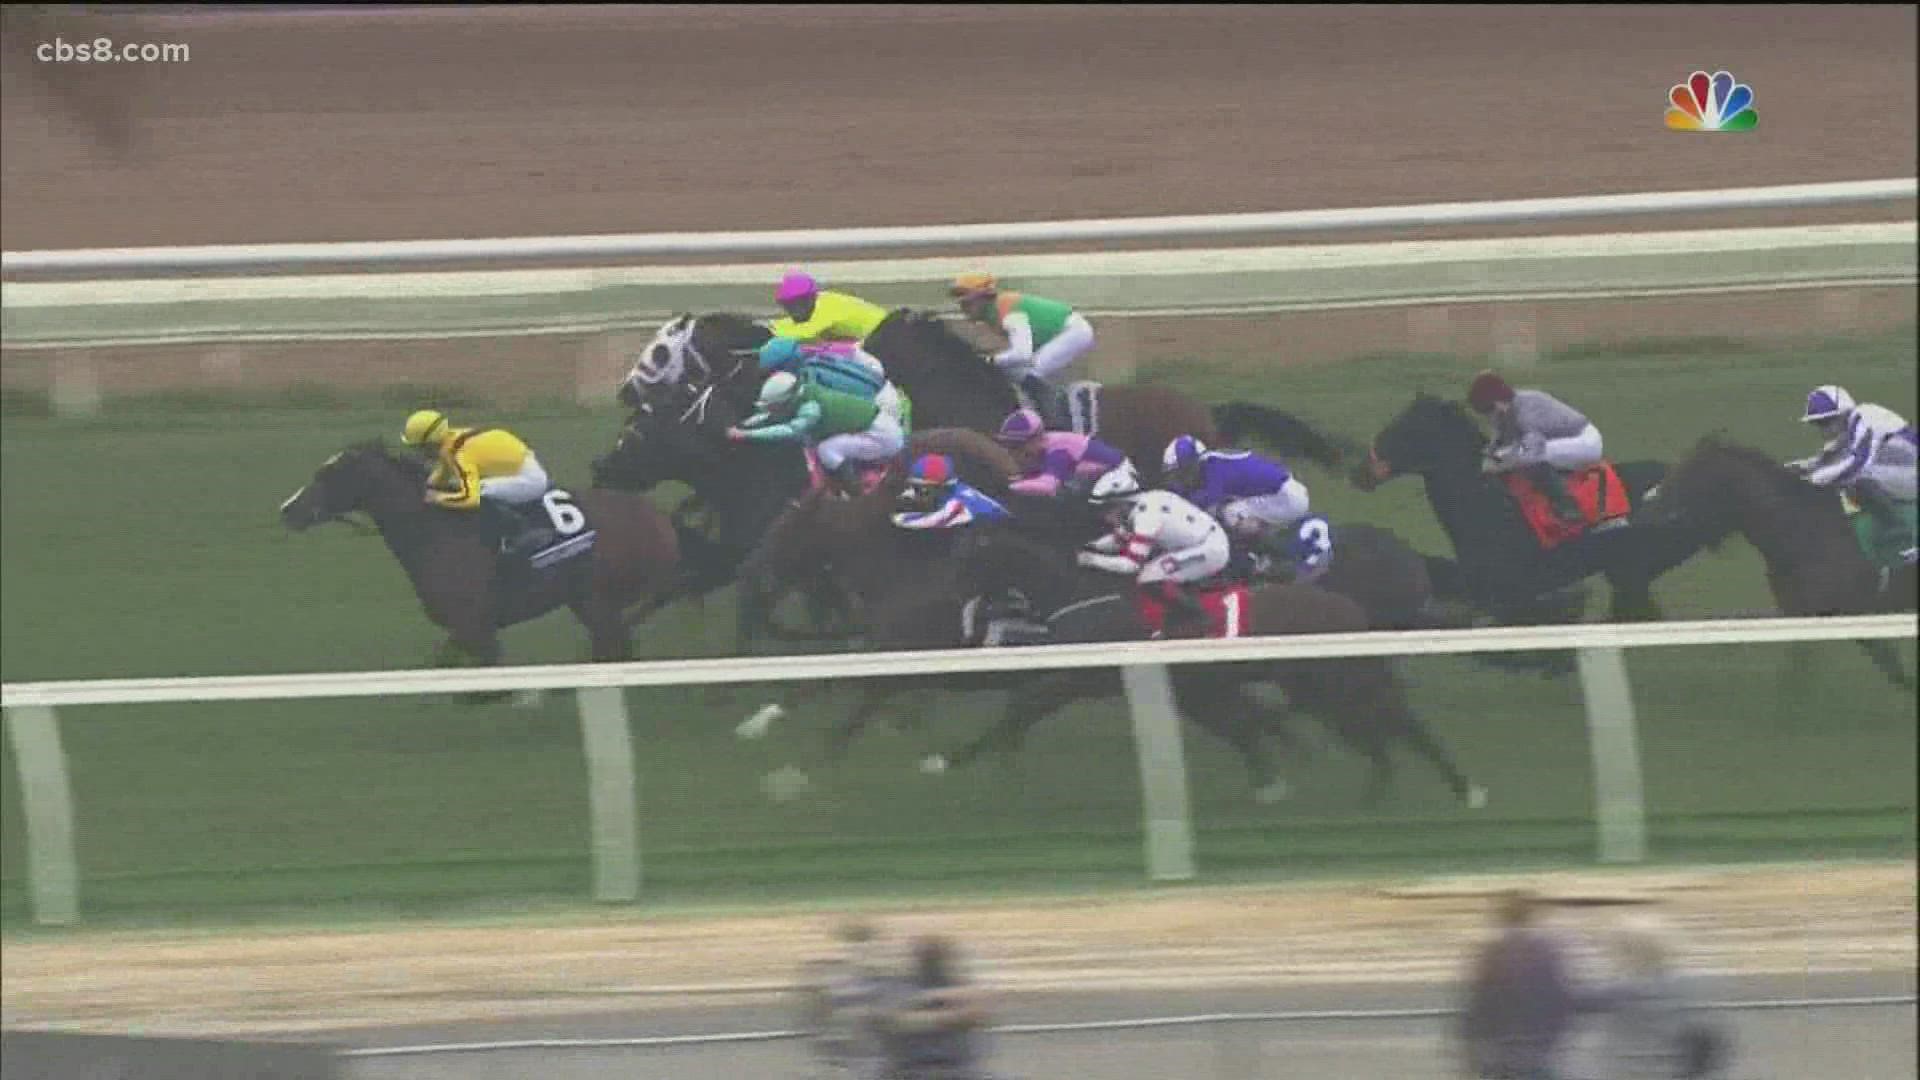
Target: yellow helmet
{"x":973,"y":283}
{"x":423,"y":427}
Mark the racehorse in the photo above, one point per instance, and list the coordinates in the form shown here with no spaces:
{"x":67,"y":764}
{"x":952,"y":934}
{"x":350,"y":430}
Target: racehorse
{"x":456,"y":574}
{"x":678,"y":433}
{"x":1504,"y":569}
{"x":1361,"y":699}
{"x":1815,"y":565}
{"x":952,"y":385}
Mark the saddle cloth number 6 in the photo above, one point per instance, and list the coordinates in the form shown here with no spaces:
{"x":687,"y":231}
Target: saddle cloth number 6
{"x":567,"y":518}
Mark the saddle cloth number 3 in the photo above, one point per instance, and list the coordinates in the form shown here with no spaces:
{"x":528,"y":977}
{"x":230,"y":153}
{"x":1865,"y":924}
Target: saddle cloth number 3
{"x":567,"y":518}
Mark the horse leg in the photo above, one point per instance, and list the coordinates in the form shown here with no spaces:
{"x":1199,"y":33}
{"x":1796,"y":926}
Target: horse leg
{"x":1225,"y":710}
{"x":1887,"y":660}
{"x":1413,"y":731}
{"x":1030,"y":703}
{"x":874,"y":694}
{"x":475,"y":646}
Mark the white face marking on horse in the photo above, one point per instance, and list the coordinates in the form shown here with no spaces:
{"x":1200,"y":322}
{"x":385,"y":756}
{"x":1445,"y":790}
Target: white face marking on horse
{"x":295,"y":497}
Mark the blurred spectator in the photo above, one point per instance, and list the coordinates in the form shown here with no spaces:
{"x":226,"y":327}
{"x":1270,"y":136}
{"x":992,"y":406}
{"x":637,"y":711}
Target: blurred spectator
{"x":1650,"y":1032}
{"x":841,"y":999}
{"x":934,"y":1026}
{"x":1521,"y":1000}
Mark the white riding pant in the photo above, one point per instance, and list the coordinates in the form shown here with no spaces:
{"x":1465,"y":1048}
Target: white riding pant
{"x":1578,"y":452}
{"x":525,"y":486}
{"x":888,"y":399}
{"x":878,"y":443}
{"x":1893,"y":479}
{"x":1074,"y":340}
{"x":1251,"y":516}
{"x":1187,"y":565}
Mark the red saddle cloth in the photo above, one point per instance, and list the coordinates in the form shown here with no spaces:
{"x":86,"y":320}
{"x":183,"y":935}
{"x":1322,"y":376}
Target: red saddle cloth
{"x":1596,"y":490}
{"x":1229,"y":610}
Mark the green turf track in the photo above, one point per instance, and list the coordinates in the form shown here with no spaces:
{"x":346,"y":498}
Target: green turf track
{"x":145,"y":544}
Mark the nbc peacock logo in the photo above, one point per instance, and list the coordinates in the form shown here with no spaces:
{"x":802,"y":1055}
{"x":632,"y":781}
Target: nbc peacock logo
{"x":1715,"y":102}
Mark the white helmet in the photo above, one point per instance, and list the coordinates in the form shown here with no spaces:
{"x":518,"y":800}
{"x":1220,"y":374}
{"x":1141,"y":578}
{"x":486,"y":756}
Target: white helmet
{"x":1115,"y":485}
{"x":779,"y":389}
{"x":1827,"y":402}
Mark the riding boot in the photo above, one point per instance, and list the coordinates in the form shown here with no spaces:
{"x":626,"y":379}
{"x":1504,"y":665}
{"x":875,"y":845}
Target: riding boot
{"x":1049,"y":401}
{"x":1553,"y":484}
{"x":502,"y":526}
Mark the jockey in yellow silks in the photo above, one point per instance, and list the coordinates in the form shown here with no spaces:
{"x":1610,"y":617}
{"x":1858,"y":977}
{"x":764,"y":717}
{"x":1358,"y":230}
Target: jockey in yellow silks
{"x":474,"y":468}
{"x":816,"y":314}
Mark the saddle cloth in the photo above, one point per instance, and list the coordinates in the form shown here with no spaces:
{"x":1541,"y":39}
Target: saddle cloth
{"x":1083,"y":406}
{"x":1229,"y":610}
{"x":1596,"y":490}
{"x":551,"y":531}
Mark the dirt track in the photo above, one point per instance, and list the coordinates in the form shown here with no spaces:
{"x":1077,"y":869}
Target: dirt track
{"x":505,"y":122}
{"x":1759,"y":920}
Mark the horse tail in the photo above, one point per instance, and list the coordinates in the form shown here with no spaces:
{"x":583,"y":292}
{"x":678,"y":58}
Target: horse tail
{"x":1282,"y":431}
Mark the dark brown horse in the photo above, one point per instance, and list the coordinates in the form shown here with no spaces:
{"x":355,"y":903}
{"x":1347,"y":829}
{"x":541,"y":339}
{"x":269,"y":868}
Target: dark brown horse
{"x":952,"y":385}
{"x":457,"y":574}
{"x":1815,"y":565}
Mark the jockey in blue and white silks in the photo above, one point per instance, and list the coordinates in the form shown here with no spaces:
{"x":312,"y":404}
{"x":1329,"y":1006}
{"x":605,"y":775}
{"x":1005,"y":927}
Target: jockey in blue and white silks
{"x":1254,"y":496}
{"x":936,"y":498}
{"x":1871,"y":452}
{"x":839,"y":366}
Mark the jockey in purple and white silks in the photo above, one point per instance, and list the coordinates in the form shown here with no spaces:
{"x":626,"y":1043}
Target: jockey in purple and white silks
{"x":936,"y":498}
{"x":1257,"y":498}
{"x":1159,"y":538}
{"x":1538,"y":433}
{"x":1052,"y":460}
{"x":1871,"y":452}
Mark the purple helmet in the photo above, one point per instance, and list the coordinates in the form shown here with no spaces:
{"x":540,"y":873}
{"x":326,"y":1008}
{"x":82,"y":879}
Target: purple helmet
{"x":796,"y":285}
{"x":1182,"y":452}
{"x":1827,"y":402}
{"x":1019,"y":426}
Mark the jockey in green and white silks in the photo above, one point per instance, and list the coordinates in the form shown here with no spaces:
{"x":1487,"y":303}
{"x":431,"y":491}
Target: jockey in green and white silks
{"x":842,"y":366}
{"x":1871,"y":453}
{"x":1044,"y":338}
{"x":845,"y":430}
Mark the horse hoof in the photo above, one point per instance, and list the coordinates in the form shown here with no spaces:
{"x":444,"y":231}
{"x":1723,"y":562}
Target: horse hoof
{"x":1476,"y":798}
{"x":785,"y":784}
{"x":1272,"y":792}
{"x":933,"y":764}
{"x":761,"y":722}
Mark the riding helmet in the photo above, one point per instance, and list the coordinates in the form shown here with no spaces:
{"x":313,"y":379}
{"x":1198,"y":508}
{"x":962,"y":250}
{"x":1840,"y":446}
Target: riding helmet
{"x":1488,"y":389}
{"x":1019,"y":426}
{"x":973,"y":283}
{"x":423,"y":427}
{"x":1826,"y":403}
{"x":796,"y":285}
{"x":1181,"y":452}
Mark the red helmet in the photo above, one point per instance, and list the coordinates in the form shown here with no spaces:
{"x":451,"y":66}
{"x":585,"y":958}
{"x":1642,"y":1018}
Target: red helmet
{"x":1488,"y":390}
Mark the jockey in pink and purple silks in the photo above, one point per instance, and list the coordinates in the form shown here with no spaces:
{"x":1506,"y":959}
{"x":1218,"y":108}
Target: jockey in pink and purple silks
{"x":1051,"y":460}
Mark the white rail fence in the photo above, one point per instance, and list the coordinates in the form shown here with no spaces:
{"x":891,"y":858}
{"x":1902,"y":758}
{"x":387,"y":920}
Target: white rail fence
{"x":810,"y":242}
{"x":613,"y":795}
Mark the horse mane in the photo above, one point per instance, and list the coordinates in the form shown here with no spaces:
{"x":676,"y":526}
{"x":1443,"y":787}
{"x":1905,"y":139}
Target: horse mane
{"x":1717,"y":451}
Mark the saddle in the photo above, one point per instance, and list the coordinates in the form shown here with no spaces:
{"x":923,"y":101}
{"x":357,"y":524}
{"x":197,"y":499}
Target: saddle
{"x":1075,"y":408}
{"x":1229,"y":608}
{"x":540,"y":534}
{"x":1596,"y":491}
{"x":1886,"y":538}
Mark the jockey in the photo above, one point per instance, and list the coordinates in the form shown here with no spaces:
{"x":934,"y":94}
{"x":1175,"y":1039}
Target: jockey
{"x":816,"y":314}
{"x":1043,"y":336}
{"x":1053,"y":459}
{"x":936,"y":498}
{"x":844,"y":429}
{"x":1159,"y":537}
{"x":486,"y":469}
{"x":1538,"y":433}
{"x":1871,"y":452}
{"x":842,"y":366}
{"x":1255,"y":497}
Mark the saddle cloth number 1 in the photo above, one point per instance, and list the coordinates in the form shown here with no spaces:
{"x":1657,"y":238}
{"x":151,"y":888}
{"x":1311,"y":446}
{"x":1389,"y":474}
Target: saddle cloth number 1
{"x":567,"y":518}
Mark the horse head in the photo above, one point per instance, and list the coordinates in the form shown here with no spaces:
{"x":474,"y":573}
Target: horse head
{"x":701,"y":350}
{"x":677,"y":432}
{"x":1431,"y":433}
{"x":1719,"y":481}
{"x":364,"y":476}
